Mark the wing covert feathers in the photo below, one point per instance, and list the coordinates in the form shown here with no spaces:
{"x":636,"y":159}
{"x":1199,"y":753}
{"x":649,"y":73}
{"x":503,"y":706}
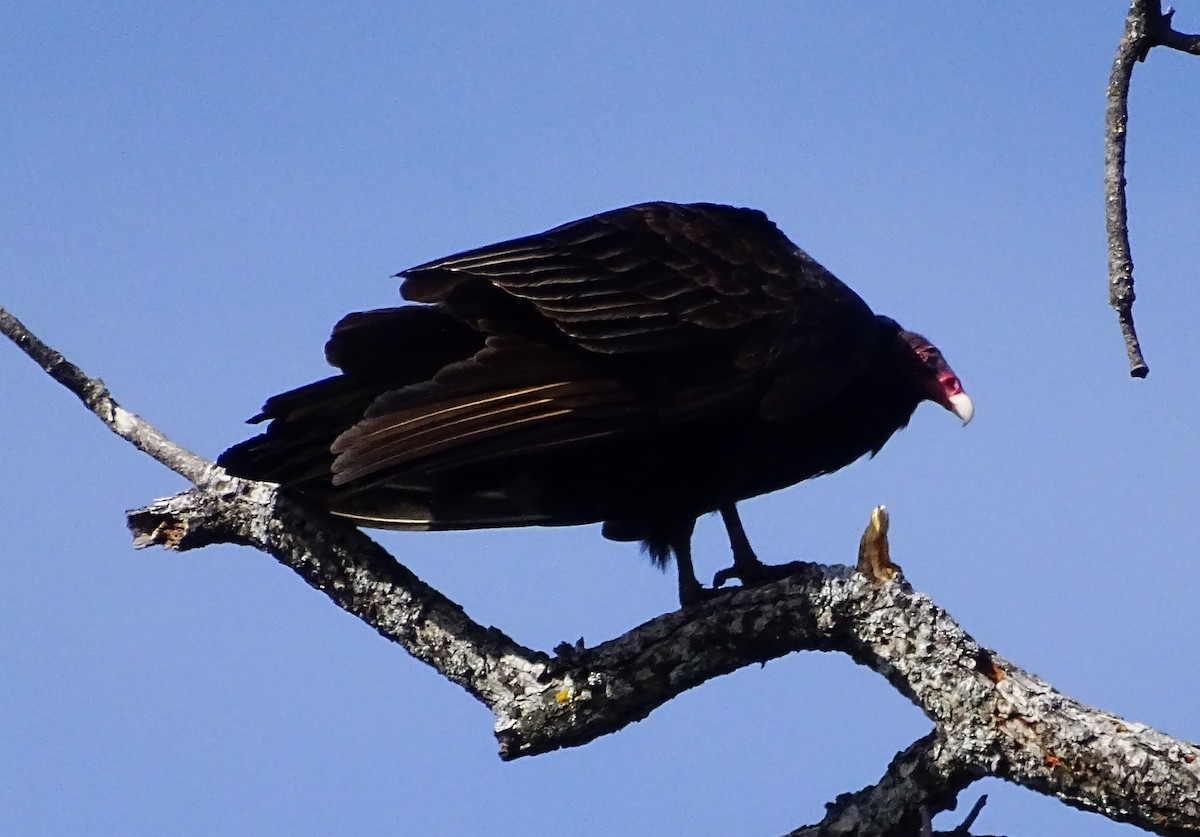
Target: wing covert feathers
{"x":644,"y":279}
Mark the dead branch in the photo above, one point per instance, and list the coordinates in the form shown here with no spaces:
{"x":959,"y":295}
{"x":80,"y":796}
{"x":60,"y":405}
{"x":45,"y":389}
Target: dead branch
{"x":990,"y":717}
{"x":96,"y":397}
{"x":1146,"y":27}
{"x":921,"y":779}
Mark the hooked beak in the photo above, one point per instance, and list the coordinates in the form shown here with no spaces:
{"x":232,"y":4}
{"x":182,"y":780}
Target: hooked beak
{"x":960,"y":404}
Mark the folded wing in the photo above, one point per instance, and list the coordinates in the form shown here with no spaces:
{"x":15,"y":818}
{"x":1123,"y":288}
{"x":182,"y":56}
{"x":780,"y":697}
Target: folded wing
{"x":604,"y":331}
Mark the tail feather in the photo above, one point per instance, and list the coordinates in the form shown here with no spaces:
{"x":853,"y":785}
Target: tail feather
{"x":377,"y":351}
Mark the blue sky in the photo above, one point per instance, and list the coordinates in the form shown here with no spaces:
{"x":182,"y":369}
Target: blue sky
{"x":194,"y":195}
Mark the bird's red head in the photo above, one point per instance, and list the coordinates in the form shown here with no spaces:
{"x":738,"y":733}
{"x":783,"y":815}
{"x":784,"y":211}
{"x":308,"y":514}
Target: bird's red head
{"x":934,"y":376}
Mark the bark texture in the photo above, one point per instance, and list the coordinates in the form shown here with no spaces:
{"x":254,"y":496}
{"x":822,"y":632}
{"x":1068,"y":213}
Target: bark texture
{"x":990,"y":717}
{"x":1146,"y":26}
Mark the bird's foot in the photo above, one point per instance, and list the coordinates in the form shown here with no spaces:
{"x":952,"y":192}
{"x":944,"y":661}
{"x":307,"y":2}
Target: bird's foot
{"x":751,"y":573}
{"x":695,"y":594}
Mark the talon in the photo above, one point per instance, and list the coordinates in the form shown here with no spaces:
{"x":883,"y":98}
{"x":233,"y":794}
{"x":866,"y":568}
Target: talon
{"x":724,"y":575}
{"x":697,"y":595}
{"x":757,"y":573}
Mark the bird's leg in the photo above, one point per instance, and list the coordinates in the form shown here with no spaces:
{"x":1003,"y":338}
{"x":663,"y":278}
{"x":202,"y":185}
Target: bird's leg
{"x":743,"y":553}
{"x":690,"y":590}
{"x":746,"y":566}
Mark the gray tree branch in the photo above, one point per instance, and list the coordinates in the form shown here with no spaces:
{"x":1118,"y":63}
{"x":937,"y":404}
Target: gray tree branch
{"x":96,"y":397}
{"x":990,"y":717}
{"x":1146,"y":27}
{"x":922,"y":779}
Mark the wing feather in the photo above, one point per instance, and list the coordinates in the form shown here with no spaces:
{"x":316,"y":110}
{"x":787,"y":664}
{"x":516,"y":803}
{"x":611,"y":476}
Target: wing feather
{"x":515,"y":395}
{"x":681,"y":275}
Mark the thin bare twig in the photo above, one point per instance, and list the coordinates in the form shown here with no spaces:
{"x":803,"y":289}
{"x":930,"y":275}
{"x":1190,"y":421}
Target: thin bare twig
{"x":1146,"y":27}
{"x":96,"y":397}
{"x":965,"y":828}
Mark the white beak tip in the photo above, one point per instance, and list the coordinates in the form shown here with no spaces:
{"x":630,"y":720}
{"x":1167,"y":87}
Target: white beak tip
{"x":961,"y":405}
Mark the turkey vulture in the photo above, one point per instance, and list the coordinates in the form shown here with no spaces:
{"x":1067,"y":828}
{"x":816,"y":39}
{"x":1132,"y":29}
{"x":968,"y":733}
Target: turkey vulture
{"x":638,"y":368}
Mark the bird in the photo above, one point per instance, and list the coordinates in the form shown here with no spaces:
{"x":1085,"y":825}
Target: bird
{"x":639,"y":368}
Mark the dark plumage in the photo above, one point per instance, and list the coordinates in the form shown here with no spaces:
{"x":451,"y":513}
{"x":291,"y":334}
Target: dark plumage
{"x":639,"y":368}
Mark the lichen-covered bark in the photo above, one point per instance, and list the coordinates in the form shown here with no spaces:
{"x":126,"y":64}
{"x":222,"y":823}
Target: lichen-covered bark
{"x":922,"y":779}
{"x":352,"y":570}
{"x":991,"y":718}
{"x":1146,"y":26}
